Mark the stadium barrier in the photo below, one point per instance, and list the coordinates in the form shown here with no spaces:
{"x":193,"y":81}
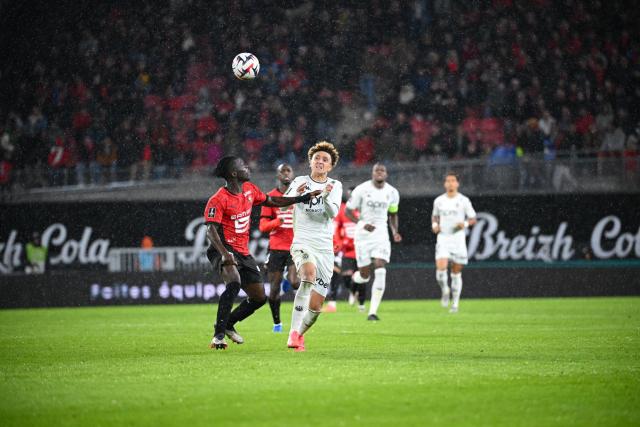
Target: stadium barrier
{"x":564,"y":173}
{"x":167,"y":259}
{"x":550,"y":228}
{"x":405,"y":281}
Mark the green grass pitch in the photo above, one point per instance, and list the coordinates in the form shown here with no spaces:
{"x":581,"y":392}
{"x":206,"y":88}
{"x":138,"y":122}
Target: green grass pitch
{"x":524,"y":362}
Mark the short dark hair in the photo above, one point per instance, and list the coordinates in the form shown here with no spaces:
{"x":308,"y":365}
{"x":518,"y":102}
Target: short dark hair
{"x":223,"y":168}
{"x":452,"y":173}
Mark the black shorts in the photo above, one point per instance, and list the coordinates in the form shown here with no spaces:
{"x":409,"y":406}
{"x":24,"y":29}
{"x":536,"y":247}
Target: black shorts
{"x":348,"y":264}
{"x":278,"y":260}
{"x":247,"y":266}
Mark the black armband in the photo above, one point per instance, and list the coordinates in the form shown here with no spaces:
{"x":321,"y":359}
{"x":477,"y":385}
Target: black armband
{"x":303,"y":199}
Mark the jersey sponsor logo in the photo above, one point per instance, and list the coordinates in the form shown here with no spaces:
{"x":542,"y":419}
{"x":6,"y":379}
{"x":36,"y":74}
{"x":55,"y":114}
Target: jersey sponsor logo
{"x":242,"y":224}
{"x":448,"y":212}
{"x":212,"y":212}
{"x":315,"y":201}
{"x":241,"y":215}
{"x":322,"y":283}
{"x":376,"y":205}
{"x":298,"y":308}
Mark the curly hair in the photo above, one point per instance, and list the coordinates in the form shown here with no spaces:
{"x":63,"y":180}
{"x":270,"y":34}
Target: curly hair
{"x":327,"y":147}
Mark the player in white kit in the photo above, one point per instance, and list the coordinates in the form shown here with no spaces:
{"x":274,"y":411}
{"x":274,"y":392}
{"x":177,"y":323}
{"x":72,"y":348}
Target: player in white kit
{"x":312,"y":245}
{"x":377,"y":201}
{"x":452,"y":214}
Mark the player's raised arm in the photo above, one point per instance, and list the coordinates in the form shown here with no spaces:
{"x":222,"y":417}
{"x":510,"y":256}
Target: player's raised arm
{"x":332,"y":195}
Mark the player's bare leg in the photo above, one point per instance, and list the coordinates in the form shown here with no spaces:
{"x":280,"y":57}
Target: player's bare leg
{"x":256,"y":298}
{"x":456,"y":286}
{"x":361,"y":277}
{"x":231,"y":278}
{"x":306,"y":308}
{"x":275,"y":278}
{"x":443,"y":281}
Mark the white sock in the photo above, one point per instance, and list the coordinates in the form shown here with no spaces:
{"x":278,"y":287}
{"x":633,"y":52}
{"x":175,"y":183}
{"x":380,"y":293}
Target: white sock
{"x":377,"y":290}
{"x":456,"y":288}
{"x":300,"y":305}
{"x":308,"y":320}
{"x":357,"y":277}
{"x":441,"y":278}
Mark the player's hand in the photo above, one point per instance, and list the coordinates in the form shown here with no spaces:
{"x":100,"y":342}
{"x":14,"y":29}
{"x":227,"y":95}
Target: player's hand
{"x":397,"y":237}
{"x":301,"y":188}
{"x":459,"y":226}
{"x":327,"y":190}
{"x":369,"y":227}
{"x":315,"y":193}
{"x":228,"y":259}
{"x":435,"y":229}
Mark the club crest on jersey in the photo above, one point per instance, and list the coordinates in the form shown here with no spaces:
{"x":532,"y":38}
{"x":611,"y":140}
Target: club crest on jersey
{"x":212,"y":212}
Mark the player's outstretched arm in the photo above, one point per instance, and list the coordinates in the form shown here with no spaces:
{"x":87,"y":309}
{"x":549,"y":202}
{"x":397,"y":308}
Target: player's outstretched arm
{"x":281,"y":201}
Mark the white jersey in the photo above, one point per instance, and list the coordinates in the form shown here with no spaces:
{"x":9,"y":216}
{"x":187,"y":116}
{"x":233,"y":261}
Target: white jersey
{"x":452,"y":211}
{"x":312,"y":225}
{"x":374,"y":205}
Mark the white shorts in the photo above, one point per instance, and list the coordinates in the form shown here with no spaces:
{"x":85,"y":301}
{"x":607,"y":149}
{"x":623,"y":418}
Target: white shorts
{"x":367,"y":249}
{"x":454,"y":251}
{"x":323,"y":260}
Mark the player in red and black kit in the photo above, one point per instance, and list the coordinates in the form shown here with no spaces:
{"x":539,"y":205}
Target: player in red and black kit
{"x":228,"y":217}
{"x":345,"y":248}
{"x":279,"y":224}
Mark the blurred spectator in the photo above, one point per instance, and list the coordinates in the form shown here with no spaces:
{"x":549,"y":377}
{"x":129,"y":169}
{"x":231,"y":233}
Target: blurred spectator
{"x":147,"y":259}
{"x":36,"y":256}
{"x":107,"y":158}
{"x":411,"y":65}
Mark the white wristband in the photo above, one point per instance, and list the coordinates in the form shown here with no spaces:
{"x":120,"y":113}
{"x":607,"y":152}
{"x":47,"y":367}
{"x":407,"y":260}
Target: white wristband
{"x":434,"y":225}
{"x":466,"y":224}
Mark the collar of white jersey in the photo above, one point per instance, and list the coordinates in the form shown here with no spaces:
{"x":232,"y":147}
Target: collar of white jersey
{"x":319,"y":182}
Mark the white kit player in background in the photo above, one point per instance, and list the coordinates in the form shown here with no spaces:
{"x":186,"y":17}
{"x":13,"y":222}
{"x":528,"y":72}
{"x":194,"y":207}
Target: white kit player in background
{"x":452,"y":214}
{"x":312,"y":245}
{"x":377,"y":201}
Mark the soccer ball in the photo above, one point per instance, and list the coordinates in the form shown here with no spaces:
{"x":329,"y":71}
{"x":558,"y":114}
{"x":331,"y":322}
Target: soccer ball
{"x":245,"y":66}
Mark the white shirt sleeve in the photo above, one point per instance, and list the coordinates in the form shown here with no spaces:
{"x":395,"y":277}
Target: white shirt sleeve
{"x":436,"y":210}
{"x":356,"y":198}
{"x":395,"y":201}
{"x":332,"y":202}
{"x":291,"y":191}
{"x":468,"y":209}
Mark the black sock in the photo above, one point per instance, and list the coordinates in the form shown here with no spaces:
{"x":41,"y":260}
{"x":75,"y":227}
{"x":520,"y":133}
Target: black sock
{"x":362,"y":293}
{"x":275,"y":310}
{"x":244,"y":310}
{"x":335,"y":284}
{"x":346,"y":281}
{"x":224,"y":306}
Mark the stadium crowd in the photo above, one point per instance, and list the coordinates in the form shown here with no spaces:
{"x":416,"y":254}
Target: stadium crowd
{"x":144,"y":90}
